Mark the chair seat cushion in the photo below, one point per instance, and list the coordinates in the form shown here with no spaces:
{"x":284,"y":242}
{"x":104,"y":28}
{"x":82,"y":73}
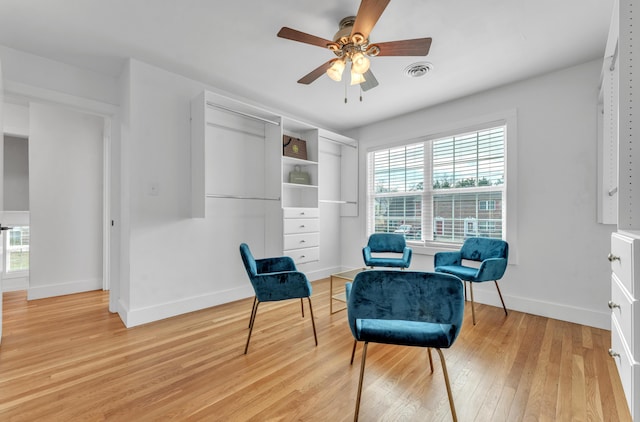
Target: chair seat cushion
{"x":407,"y":333}
{"x":387,"y":262}
{"x":462,"y":272}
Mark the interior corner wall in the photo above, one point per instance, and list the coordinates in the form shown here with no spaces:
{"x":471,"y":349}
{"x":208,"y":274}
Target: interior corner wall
{"x":174,"y":263}
{"x":562,"y":271}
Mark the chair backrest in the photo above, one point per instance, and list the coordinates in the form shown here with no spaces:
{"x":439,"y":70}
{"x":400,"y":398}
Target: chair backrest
{"x":481,"y":248}
{"x":248,"y":260}
{"x":387,"y":242}
{"x":407,"y":296}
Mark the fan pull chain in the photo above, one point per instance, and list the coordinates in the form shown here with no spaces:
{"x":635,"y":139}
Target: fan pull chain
{"x":345,"y":90}
{"x":360,"y":86}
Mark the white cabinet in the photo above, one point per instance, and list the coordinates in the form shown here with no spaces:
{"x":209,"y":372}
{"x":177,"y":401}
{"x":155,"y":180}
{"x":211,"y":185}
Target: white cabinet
{"x":241,"y":181}
{"x":619,"y":199}
{"x":625,"y":313}
{"x":301,"y":230}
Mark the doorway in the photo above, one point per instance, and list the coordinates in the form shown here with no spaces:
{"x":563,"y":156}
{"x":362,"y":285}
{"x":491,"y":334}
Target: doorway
{"x":67,"y":198}
{"x":15,"y":245}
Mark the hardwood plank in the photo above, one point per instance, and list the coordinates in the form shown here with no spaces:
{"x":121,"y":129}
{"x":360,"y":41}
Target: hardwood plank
{"x":67,"y":358}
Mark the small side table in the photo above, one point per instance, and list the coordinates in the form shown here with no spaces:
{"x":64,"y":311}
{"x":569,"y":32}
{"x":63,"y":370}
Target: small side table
{"x":346,"y":276}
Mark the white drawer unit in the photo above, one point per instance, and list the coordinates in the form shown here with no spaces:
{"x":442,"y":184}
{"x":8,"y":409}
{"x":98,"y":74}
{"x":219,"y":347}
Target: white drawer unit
{"x":301,"y":231}
{"x":303,"y":240}
{"x":301,"y":225}
{"x":301,"y":212}
{"x":625,"y":318}
{"x":302,"y":256}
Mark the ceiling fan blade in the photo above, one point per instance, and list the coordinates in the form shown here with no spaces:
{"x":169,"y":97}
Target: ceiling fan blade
{"x":416,"y":47}
{"x":295,"y":35}
{"x":316,"y":73}
{"x":368,"y":14}
{"x":370,"y":81}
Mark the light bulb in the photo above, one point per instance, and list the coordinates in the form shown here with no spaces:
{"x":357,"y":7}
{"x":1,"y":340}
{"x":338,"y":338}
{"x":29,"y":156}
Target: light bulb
{"x":360,"y":63}
{"x":356,"y":78}
{"x":336,"y":69}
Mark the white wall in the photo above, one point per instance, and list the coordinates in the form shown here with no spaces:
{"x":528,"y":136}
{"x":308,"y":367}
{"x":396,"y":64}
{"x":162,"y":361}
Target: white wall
{"x":175,"y":263}
{"x":65,"y":159}
{"x":562,"y":270}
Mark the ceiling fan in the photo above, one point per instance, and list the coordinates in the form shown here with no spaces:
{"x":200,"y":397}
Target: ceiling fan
{"x":351,"y":45}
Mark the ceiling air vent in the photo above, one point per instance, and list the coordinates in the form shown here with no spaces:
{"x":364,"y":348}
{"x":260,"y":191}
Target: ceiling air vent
{"x":417,"y":70}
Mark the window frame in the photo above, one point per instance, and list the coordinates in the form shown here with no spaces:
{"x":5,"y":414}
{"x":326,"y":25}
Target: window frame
{"x":508,"y":119}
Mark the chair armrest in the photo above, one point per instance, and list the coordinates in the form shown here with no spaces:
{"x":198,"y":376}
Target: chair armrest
{"x":492,"y":269}
{"x":440,"y":259}
{"x":274,"y":265}
{"x":281,"y":285}
{"x":347,"y":289}
{"x":366,"y":254}
{"x":406,"y":255}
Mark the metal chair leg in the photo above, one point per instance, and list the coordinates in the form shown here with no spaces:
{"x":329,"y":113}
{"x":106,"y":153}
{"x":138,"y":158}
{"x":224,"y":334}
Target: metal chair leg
{"x":500,"y":294}
{"x":465,"y":290}
{"x":254,"y":311}
{"x":446,"y":380}
{"x":364,"y":358}
{"x":313,"y":322}
{"x":353,"y":352}
{"x":473,"y":308}
{"x":430,"y":359}
{"x":302,"y":307}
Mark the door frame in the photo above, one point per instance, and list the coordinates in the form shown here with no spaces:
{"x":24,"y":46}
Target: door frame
{"x":22,"y":93}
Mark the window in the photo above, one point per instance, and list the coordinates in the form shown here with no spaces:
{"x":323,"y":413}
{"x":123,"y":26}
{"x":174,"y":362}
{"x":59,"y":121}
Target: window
{"x":444,"y":189}
{"x":17,"y":247}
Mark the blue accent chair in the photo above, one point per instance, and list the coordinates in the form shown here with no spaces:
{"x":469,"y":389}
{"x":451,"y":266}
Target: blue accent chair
{"x":492,"y":254}
{"x":275,"y":279}
{"x":387,"y":243}
{"x":407,"y":308}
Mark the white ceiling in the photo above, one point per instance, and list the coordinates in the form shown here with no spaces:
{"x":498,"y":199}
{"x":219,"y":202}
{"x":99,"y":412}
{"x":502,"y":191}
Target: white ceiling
{"x":232,"y":45}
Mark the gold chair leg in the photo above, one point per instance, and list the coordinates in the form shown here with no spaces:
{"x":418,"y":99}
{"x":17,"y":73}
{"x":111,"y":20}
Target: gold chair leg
{"x":313,"y":322}
{"x":473,"y":308}
{"x":254,"y":311}
{"x":465,"y":290}
{"x":500,"y":294}
{"x":364,"y":358}
{"x":353,"y":352}
{"x":446,"y":380}
{"x":430,"y":359}
{"x":302,"y":307}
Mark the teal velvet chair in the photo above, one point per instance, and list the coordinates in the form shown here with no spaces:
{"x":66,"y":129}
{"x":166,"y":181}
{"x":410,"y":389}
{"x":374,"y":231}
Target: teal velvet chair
{"x":275,"y":279}
{"x":393,"y":243}
{"x":492,"y":254}
{"x":406,"y":308}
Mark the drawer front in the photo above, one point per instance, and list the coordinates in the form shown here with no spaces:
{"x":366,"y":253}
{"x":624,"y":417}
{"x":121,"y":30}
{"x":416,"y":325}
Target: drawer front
{"x":625,"y":310}
{"x":300,"y":256}
{"x":626,"y":368}
{"x":301,"y":212}
{"x":622,"y":261}
{"x":304,"y":240}
{"x":301,"y":225}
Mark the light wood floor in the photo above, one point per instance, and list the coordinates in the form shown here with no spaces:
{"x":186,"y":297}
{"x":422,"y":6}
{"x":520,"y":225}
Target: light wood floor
{"x":69,"y":359}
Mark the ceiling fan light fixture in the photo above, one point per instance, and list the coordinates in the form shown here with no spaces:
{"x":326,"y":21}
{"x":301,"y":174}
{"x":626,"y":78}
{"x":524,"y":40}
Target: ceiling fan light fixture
{"x":336,"y":69}
{"x":356,"y":78}
{"x":360,"y":63}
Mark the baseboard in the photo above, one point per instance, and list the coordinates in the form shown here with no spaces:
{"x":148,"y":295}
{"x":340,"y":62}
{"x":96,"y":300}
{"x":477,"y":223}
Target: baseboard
{"x":61,"y":289}
{"x":12,"y":284}
{"x":558,"y":311}
{"x":322,"y":273}
{"x":139,"y":316}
